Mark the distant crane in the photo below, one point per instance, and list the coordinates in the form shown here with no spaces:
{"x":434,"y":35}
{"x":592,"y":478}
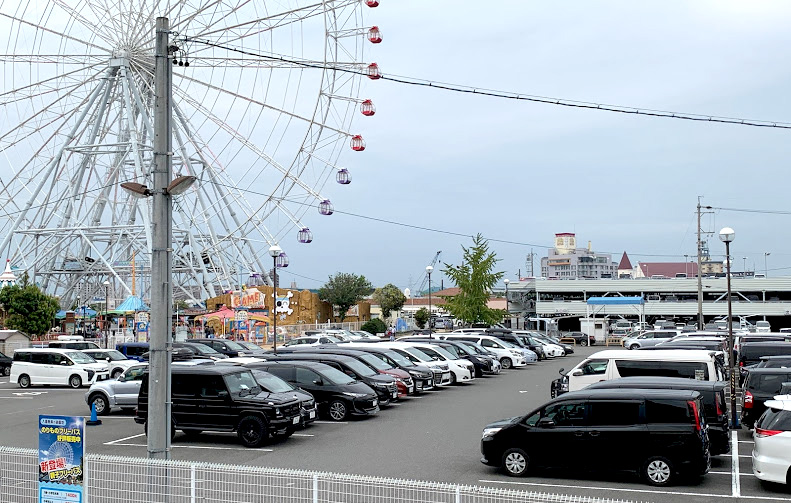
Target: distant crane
{"x":424,"y":283}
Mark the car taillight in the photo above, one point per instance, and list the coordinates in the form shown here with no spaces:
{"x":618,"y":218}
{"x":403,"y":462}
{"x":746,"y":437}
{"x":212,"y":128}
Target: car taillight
{"x":741,"y":364}
{"x":694,"y":406}
{"x":760,"y":432}
{"x":748,"y":400}
{"x":719,"y":405}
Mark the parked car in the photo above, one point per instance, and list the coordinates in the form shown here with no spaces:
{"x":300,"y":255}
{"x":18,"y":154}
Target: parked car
{"x":403,"y":381}
{"x":759,"y":386}
{"x":552,"y":346}
{"x":422,"y":375}
{"x":200,"y":350}
{"x":440,"y":370}
{"x":508,"y":354}
{"x":479,"y":350}
{"x":363,"y":335}
{"x":526,"y":342}
{"x":482,"y":364}
{"x":763,"y":326}
{"x":712,"y":392}
{"x":34,"y":366}
{"x":311,"y":340}
{"x":255,"y":348}
{"x":227,"y":347}
{"x":133,"y":350}
{"x":750,"y":353}
{"x":461,"y":370}
{"x":78,"y":345}
{"x":580,"y":338}
{"x":659,"y":433}
{"x":273,"y":384}
{"x":229,"y":400}
{"x":649,"y":338}
{"x":116,"y":361}
{"x":5,"y":365}
{"x":612,"y":364}
{"x":384,"y":385}
{"x":338,"y":396}
{"x":772,"y":436}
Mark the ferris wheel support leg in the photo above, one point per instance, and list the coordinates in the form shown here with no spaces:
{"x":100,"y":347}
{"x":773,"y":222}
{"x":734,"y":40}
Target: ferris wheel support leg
{"x":45,"y":178}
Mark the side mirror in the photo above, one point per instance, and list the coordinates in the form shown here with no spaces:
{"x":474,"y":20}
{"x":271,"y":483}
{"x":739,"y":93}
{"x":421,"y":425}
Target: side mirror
{"x":108,"y":359}
{"x":577,"y":373}
{"x":561,"y":371}
{"x":318,"y":382}
{"x":64,"y":362}
{"x":222,"y":394}
{"x":546,"y":422}
{"x":120,"y":378}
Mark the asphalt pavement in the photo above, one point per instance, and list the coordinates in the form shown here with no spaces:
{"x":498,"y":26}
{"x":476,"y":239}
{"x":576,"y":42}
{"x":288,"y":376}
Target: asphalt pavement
{"x":434,"y":436}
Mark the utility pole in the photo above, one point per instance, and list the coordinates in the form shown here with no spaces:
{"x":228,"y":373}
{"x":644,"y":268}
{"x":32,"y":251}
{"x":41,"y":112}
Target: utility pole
{"x":700,"y":280}
{"x":159,"y":422}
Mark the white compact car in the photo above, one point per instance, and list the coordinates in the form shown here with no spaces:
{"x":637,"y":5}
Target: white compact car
{"x":312,"y":340}
{"x":772,"y":436}
{"x":441,"y":371}
{"x":65,"y":367}
{"x":461,"y":370}
{"x":116,"y":360}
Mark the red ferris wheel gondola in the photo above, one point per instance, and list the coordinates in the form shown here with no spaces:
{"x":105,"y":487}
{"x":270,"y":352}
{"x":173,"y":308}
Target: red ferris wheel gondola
{"x":372,"y":71}
{"x":357,"y":143}
{"x":367,"y":108}
{"x":372,"y":3}
{"x":374,"y":35}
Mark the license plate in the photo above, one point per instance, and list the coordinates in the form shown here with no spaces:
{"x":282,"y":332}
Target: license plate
{"x":395,"y":394}
{"x":430,"y":382}
{"x":295,"y":420}
{"x":376,"y":403}
{"x":410,"y":389}
{"x":312,"y":414}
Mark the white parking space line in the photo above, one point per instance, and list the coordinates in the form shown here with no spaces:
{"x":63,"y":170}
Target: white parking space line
{"x":209,"y":447}
{"x":736,"y":488}
{"x":29,"y":410}
{"x":302,"y":435}
{"x":330,"y":422}
{"x":18,"y":397}
{"x":125,"y":438}
{"x":601,"y":488}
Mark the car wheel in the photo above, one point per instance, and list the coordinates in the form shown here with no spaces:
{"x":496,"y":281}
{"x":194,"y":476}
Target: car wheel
{"x":116,"y":373}
{"x":100,"y":402}
{"x":453,"y":378}
{"x":506,"y":363}
{"x":634,"y":346}
{"x":515,"y":462}
{"x":583,"y":342}
{"x":252,"y":431}
{"x":6,"y":371}
{"x":75,"y":381}
{"x":658,"y":471}
{"x":338,"y":410}
{"x":24,"y":381}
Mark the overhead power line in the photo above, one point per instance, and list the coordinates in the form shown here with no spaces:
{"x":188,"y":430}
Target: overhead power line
{"x":459,"y":88}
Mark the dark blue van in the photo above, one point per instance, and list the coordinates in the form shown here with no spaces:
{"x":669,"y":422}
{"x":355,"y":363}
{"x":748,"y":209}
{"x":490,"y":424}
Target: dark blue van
{"x":133,"y":350}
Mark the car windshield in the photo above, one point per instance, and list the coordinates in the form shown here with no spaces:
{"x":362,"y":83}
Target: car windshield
{"x":420,"y":355}
{"x":375,"y":362}
{"x":79,"y":357}
{"x":272,"y":383}
{"x":435,"y":354}
{"x":399,"y":358}
{"x":506,"y":344}
{"x":202,"y":348}
{"x":234,"y":346}
{"x":480,"y":350}
{"x":114,"y":355}
{"x":360,"y":368}
{"x":249,"y":345}
{"x":334,"y":376}
{"x":242,"y":383}
{"x":2,"y":355}
{"x":453,"y":351}
{"x":462,"y":350}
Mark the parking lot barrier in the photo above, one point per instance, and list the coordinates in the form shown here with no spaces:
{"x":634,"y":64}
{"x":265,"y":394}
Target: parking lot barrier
{"x":116,"y":479}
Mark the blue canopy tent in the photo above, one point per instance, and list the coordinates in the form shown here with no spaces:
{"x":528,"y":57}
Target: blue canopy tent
{"x":602,"y":303}
{"x":132,"y":304}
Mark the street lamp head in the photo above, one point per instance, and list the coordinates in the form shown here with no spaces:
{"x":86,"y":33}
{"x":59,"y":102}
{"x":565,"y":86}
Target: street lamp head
{"x":506,"y":281}
{"x":106,"y":283}
{"x":727,"y":235}
{"x":275,"y":251}
{"x":429,"y":269}
{"x":136,"y":190}
{"x":180,"y":185}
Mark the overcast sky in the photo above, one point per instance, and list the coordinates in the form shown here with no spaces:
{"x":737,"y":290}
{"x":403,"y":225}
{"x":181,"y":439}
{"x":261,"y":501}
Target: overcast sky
{"x":520,"y":171}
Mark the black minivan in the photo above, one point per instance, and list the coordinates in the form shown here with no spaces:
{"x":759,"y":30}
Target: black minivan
{"x":762,"y":384}
{"x":750,"y":353}
{"x":659,"y":433}
{"x":714,"y":400}
{"x":336,"y":394}
{"x":224,"y":398}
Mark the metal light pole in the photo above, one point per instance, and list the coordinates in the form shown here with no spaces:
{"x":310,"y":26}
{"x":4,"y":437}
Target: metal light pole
{"x":507,"y":313}
{"x":106,"y":309}
{"x":744,"y":268}
{"x":275,"y":252}
{"x":727,"y":235}
{"x":428,"y":271}
{"x":766,"y":269}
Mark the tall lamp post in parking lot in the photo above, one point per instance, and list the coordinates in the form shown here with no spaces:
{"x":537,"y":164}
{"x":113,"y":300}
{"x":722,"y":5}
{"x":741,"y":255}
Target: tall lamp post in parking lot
{"x":507,"y":314}
{"x":275,"y":252}
{"x":727,"y":235}
{"x":106,"y":309}
{"x":429,"y":269}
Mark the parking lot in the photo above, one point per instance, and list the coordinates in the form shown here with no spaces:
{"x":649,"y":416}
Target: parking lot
{"x":434,"y":436}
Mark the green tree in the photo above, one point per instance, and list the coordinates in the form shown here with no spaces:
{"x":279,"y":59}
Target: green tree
{"x":389,"y":298}
{"x":345,"y":290}
{"x":375,"y":326}
{"x":475,"y":279}
{"x":27,"y":308}
{"x":421,"y":317}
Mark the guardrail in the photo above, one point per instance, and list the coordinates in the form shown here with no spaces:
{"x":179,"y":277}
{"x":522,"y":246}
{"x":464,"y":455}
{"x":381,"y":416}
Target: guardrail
{"x":115,"y":479}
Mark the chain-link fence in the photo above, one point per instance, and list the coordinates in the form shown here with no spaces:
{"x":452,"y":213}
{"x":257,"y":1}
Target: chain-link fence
{"x":115,"y":479}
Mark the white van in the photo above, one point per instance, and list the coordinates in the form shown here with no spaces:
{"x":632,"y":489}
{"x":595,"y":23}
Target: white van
{"x":65,"y":367}
{"x":612,"y":364}
{"x":508,"y":354}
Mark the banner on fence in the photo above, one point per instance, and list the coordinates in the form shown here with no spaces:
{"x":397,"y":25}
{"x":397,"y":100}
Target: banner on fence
{"x":61,"y":459}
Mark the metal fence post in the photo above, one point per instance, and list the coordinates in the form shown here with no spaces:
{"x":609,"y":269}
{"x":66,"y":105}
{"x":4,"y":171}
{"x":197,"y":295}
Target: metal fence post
{"x":315,"y":488}
{"x":458,"y":494}
{"x":192,"y":483}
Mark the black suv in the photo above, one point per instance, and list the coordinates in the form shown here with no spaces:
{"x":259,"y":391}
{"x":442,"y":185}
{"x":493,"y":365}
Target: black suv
{"x":384,"y":385}
{"x":337,"y":394}
{"x":274,"y":384}
{"x":659,"y":433}
{"x":223,"y":398}
{"x":226,"y":347}
{"x":761,"y":385}
{"x":714,"y":400}
{"x":5,"y":365}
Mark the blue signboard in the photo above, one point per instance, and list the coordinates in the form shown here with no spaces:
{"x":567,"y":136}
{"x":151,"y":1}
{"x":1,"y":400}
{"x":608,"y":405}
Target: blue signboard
{"x":61,"y":459}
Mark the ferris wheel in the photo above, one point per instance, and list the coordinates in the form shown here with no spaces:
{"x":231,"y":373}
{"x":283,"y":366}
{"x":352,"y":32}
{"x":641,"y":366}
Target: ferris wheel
{"x":263,"y":101}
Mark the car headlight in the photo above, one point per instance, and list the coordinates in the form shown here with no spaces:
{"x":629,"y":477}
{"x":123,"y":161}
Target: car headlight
{"x":489,"y":432}
{"x":398,"y":379}
{"x":380,"y":385}
{"x":355,"y":395}
{"x":278,"y":412}
{"x":515,"y":352}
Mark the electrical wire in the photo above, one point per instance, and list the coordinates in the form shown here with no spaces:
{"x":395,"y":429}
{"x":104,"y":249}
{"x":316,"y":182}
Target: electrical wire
{"x":749,"y":210}
{"x":458,"y":88}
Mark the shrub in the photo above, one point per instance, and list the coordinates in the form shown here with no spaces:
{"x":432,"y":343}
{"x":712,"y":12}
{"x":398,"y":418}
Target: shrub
{"x":375,"y":326}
